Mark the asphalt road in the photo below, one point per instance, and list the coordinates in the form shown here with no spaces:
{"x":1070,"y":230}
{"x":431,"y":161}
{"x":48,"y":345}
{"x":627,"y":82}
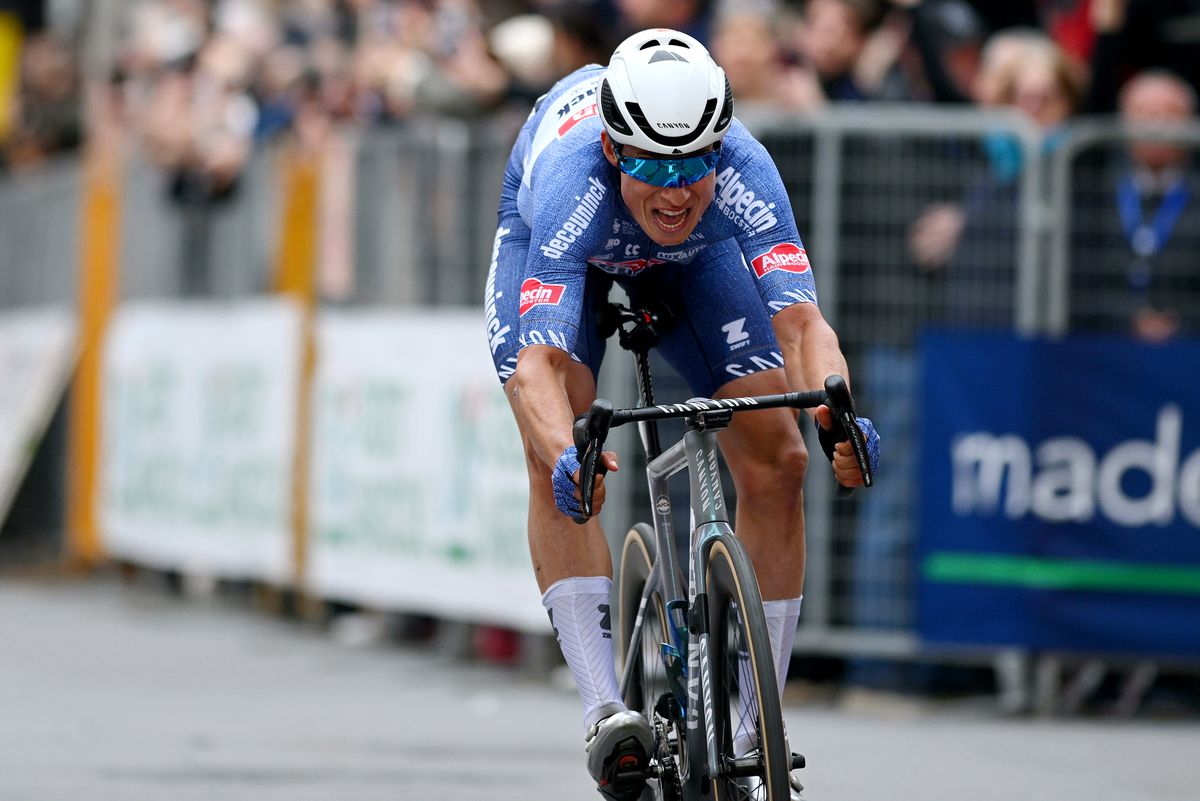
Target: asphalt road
{"x":117,"y":692}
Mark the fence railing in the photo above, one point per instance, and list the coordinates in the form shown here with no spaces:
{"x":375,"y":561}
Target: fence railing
{"x":912,"y":218}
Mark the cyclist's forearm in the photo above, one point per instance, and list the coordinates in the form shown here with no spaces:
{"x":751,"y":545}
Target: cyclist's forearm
{"x":538,"y":395}
{"x":810,"y":349}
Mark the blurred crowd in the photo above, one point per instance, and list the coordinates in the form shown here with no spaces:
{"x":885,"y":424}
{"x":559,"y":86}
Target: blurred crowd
{"x":201,"y":83}
{"x":242,"y":71}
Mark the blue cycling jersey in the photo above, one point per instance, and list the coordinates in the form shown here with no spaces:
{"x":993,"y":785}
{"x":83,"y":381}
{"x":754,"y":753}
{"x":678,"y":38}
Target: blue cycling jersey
{"x":562,"y":220}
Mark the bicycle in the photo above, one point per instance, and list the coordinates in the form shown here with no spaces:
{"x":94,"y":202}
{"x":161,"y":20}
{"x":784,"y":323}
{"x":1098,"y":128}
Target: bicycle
{"x":698,"y":663}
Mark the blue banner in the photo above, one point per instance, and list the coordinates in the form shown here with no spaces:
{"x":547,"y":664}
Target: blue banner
{"x":1060,"y":494}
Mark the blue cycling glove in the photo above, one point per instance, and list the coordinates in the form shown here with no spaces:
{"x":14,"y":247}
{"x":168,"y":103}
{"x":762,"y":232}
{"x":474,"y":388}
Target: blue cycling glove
{"x":564,"y":485}
{"x":826,"y":438}
{"x":868,"y":429}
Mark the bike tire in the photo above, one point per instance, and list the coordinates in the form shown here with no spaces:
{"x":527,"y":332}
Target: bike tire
{"x":638,"y":553}
{"x":740,"y":651}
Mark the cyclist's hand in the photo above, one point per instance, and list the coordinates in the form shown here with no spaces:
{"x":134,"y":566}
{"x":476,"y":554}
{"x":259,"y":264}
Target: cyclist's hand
{"x":567,"y":496}
{"x":841,"y":454}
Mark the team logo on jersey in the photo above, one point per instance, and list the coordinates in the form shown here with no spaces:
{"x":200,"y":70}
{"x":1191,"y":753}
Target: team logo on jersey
{"x":576,"y":118}
{"x":535,"y":293}
{"x":740,"y":204}
{"x":736,"y":335}
{"x":581,"y":93}
{"x":784,"y":256}
{"x":681,"y":255}
{"x":627,"y":267}
{"x":578,"y":222}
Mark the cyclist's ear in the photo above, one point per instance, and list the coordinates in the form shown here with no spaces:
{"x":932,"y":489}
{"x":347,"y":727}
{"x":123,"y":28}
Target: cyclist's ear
{"x":607,"y":145}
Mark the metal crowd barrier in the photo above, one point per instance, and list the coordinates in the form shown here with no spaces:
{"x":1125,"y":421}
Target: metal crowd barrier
{"x":412,"y":225}
{"x":39,"y":229}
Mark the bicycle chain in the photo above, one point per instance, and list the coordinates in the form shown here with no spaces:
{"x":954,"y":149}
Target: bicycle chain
{"x":669,"y":785}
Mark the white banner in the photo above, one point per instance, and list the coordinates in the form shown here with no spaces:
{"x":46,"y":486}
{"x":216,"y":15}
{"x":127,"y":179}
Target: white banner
{"x":200,"y":410}
{"x":418,"y":496}
{"x":37,"y":353}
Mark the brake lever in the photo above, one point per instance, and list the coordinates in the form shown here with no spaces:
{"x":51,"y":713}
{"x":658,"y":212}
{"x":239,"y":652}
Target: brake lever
{"x":846,"y":428}
{"x":589,"y":432}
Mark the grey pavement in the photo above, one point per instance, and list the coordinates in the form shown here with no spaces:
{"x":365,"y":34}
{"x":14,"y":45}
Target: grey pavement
{"x":118,"y":692}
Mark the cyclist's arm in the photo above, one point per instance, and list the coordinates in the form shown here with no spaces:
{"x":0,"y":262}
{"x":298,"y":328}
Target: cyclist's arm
{"x":538,"y":394}
{"x":541,"y":402}
{"x":810,"y":347}
{"x":810,"y":354}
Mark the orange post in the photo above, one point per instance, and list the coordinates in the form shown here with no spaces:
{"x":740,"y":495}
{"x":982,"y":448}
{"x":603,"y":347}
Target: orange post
{"x":99,"y":270}
{"x":295,"y":276}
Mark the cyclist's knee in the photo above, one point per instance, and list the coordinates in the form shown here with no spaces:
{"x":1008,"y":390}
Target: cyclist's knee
{"x":789,"y":464}
{"x":778,"y":464}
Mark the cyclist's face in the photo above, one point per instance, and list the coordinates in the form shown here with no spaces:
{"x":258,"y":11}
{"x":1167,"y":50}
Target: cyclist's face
{"x":667,"y":215}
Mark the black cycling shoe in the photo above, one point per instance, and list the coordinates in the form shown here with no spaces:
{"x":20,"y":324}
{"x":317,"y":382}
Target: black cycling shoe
{"x":619,"y":749}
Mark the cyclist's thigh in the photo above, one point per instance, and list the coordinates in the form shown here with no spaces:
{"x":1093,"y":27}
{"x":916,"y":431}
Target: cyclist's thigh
{"x":764,"y":437}
{"x":722,"y":330}
{"x":502,"y":302}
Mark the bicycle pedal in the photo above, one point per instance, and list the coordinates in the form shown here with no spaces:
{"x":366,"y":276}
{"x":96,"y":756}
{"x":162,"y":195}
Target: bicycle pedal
{"x":797,"y":761}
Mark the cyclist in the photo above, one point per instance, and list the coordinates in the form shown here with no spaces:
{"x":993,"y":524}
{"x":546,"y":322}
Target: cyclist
{"x":639,"y":173}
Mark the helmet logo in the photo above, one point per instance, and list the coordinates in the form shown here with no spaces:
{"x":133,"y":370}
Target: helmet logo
{"x":666,"y":55}
{"x":672,"y":125}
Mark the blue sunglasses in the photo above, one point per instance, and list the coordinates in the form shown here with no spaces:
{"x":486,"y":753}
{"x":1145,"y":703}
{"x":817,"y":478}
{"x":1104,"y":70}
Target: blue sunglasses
{"x":668,"y":172}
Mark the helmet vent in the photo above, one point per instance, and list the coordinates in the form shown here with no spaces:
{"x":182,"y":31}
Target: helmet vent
{"x":610,"y":113}
{"x":666,"y":55}
{"x":679,"y":43}
{"x":651,"y":43}
{"x":726,"y":110}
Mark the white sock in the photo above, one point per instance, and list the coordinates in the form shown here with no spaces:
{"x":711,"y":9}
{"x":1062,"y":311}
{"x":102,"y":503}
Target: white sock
{"x":579,"y":613}
{"x":782,"y":617}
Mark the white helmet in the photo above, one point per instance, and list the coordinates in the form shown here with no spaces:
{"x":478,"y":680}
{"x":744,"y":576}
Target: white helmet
{"x":663,"y":92}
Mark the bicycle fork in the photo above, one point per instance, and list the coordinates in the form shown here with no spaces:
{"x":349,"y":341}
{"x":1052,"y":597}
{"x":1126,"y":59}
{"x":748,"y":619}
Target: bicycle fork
{"x":701,"y":693}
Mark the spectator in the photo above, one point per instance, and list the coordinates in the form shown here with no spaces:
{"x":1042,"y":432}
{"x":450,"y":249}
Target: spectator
{"x":199,"y":121}
{"x":1135,"y":35}
{"x":1026,"y":71}
{"x":1001,"y":58}
{"x":747,"y":48}
{"x":831,"y":40}
{"x":1136,"y":236}
{"x":524,"y":46}
{"x":925,"y":51}
{"x":690,"y":16}
{"x":581,"y":37}
{"x":198,"y":125}
{"x":48,"y":118}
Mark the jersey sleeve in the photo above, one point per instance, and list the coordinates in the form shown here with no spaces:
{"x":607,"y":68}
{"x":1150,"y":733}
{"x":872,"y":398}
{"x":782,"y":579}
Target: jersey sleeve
{"x":751,"y":196}
{"x":570,"y":209}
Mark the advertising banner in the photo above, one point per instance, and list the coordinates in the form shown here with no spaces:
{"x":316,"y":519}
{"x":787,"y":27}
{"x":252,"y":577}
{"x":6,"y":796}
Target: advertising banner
{"x":37,"y":352}
{"x":418,"y":492}
{"x":1060,"y":500}
{"x":199,"y":444}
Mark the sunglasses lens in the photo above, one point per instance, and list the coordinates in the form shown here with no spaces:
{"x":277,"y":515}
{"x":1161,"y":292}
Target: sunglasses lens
{"x":669,"y":172}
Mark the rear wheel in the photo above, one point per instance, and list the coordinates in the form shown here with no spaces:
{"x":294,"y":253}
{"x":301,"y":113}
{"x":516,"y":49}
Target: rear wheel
{"x":749,"y":723}
{"x":649,"y":680}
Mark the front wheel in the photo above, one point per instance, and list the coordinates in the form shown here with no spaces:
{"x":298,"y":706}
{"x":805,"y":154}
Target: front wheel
{"x":649,"y":679}
{"x":751,"y":745}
